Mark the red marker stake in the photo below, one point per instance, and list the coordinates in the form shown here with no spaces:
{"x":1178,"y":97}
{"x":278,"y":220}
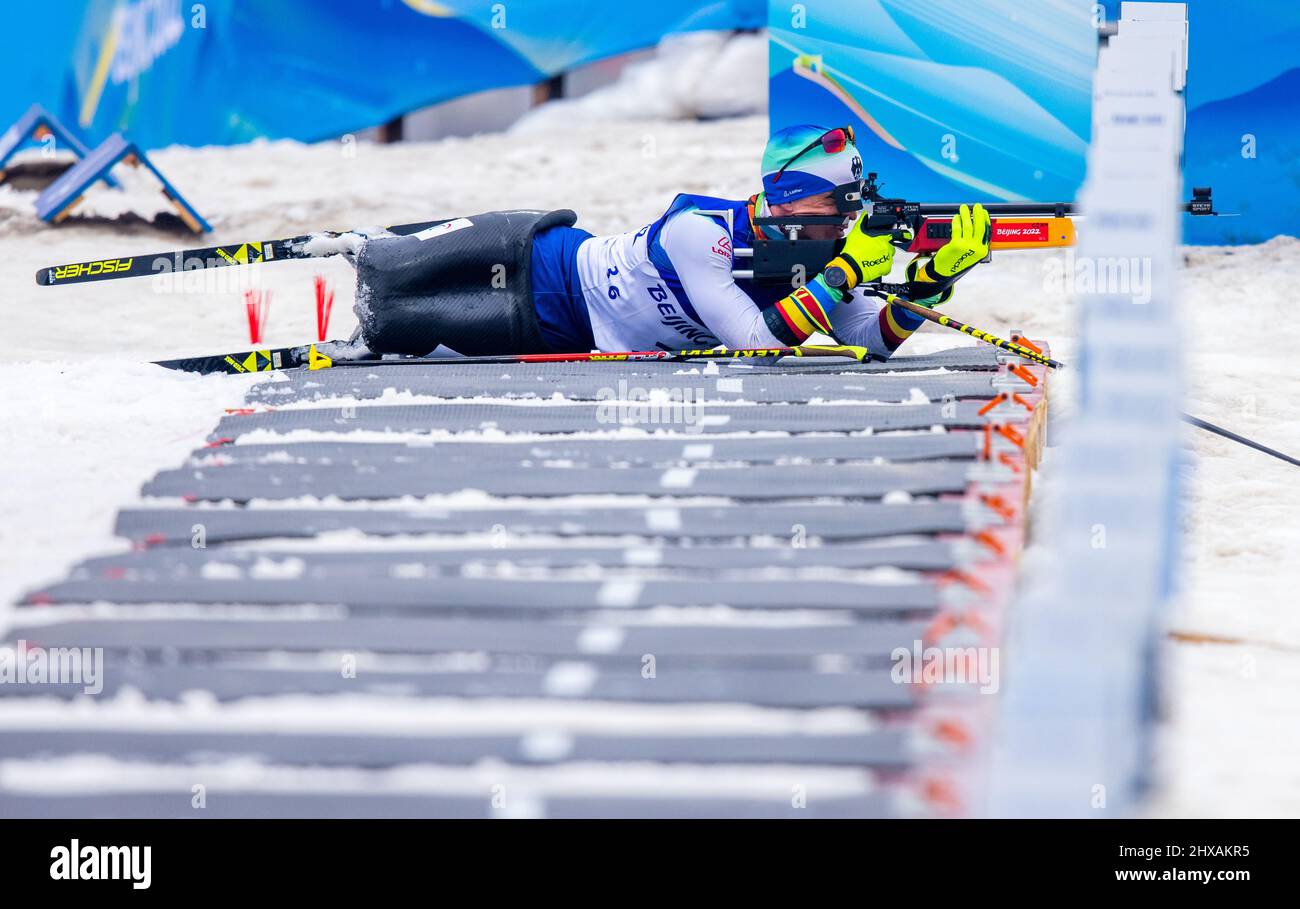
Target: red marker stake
{"x":324,"y":306}
{"x":258,"y":307}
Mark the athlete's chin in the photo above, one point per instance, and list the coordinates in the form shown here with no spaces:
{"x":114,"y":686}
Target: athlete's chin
{"x":821,"y":232}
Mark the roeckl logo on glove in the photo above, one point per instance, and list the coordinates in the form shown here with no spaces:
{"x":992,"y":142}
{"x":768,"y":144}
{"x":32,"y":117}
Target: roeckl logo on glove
{"x":881,"y":261}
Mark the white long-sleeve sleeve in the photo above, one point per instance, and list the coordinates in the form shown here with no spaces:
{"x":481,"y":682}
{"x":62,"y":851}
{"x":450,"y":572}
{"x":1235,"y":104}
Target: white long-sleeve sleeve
{"x":702,"y":255}
{"x":676,"y":289}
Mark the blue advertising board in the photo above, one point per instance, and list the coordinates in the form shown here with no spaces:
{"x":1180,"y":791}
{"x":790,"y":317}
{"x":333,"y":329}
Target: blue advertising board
{"x":228,"y":71}
{"x":956,"y":100}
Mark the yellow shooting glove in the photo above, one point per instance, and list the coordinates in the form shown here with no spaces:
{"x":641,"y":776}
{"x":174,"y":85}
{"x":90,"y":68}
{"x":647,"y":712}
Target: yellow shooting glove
{"x":864,"y":257}
{"x":930,"y":283}
{"x":971,"y":230}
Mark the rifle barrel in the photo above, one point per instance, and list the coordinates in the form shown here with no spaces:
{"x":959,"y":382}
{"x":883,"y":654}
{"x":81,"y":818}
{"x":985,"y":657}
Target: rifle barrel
{"x":1059,"y":209}
{"x":1011,"y":209}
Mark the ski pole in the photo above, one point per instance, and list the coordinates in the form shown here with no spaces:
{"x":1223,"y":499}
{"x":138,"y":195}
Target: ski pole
{"x":1022,"y":351}
{"x":949,"y":322}
{"x":1229,"y":434}
{"x":311,"y":357}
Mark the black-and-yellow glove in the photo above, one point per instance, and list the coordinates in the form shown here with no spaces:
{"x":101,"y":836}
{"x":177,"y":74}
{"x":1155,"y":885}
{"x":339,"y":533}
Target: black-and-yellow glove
{"x":864,"y":257}
{"x":971,"y":232}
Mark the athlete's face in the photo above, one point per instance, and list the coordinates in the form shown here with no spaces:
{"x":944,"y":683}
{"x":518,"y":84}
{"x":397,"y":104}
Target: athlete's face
{"x":812,"y":205}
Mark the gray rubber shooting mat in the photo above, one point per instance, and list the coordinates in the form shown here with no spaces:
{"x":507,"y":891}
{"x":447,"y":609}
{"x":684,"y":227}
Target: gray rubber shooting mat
{"x":705,"y":558}
{"x":884,"y":749}
{"x":186,"y":563}
{"x":647,"y":452}
{"x":331,"y":805}
{"x":679,"y":419}
{"x":758,"y":554}
{"x":727,"y":385}
{"x":971,"y":357}
{"x":245,"y":482}
{"x":594,"y":640}
{"x":510,"y":378}
{"x":232,"y":680}
{"x":419,"y":595}
{"x":848,"y":521}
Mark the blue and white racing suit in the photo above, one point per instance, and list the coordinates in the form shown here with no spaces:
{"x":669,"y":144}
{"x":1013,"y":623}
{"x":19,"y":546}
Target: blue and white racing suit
{"x":670,"y":286}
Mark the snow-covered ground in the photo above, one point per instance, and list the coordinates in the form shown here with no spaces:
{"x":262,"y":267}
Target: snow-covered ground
{"x":86,"y":422}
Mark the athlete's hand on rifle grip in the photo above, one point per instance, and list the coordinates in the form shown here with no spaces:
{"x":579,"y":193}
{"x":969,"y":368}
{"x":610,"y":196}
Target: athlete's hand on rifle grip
{"x":864,"y":257}
{"x":971,"y":232}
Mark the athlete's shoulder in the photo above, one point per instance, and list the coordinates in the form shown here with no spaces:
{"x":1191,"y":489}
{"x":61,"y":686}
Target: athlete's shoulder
{"x":695,"y":233}
{"x":721,"y":211}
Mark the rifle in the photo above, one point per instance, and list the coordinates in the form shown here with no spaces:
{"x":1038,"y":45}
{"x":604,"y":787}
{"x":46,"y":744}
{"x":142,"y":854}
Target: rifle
{"x":923,"y":227}
{"x":919,"y":227}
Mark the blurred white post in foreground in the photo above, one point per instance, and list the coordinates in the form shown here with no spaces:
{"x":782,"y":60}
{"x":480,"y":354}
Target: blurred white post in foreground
{"x":1074,"y":737}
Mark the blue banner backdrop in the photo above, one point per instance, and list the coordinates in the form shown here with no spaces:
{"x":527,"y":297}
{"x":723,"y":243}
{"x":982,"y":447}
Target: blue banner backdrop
{"x":951,"y":100}
{"x":959,"y":100}
{"x":227,"y":71}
